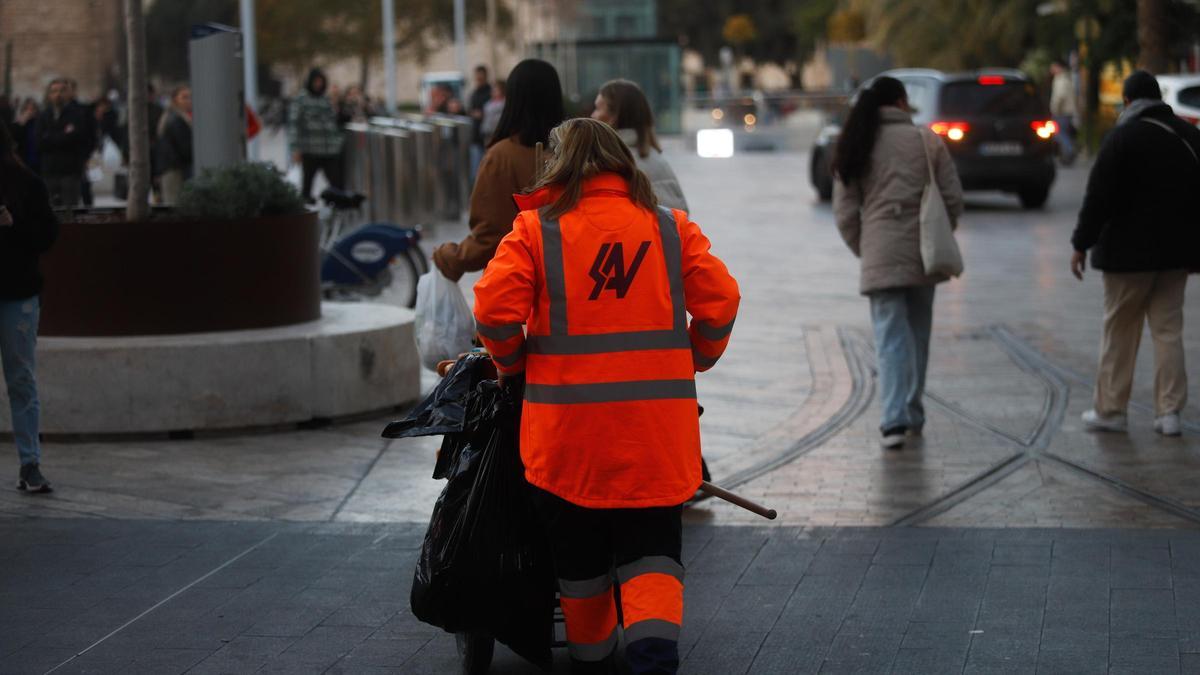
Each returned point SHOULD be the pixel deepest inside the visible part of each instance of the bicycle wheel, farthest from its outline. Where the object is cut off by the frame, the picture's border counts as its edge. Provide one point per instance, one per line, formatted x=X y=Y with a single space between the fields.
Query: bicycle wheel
x=401 y=289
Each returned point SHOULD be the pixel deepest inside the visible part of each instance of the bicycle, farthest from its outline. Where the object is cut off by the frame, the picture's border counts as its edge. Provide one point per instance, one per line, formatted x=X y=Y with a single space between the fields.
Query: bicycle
x=379 y=261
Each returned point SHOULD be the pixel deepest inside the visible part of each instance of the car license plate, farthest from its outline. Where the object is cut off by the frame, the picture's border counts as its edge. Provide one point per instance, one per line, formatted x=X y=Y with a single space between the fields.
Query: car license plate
x=1001 y=149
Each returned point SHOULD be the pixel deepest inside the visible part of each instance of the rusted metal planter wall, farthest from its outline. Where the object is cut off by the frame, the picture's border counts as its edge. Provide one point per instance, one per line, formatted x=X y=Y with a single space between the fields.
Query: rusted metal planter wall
x=170 y=277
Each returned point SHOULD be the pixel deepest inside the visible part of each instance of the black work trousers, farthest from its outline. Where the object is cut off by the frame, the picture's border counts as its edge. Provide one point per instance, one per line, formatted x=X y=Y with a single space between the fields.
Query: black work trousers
x=330 y=165
x=640 y=550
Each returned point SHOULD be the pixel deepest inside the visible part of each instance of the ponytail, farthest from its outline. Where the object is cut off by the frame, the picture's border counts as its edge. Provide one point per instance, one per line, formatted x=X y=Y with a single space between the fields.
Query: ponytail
x=853 y=152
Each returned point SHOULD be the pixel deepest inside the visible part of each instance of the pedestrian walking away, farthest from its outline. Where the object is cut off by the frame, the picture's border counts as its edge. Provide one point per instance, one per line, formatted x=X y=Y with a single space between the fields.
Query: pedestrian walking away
x=534 y=106
x=314 y=136
x=882 y=165
x=1138 y=222
x=27 y=229
x=1063 y=109
x=603 y=279
x=64 y=141
x=622 y=105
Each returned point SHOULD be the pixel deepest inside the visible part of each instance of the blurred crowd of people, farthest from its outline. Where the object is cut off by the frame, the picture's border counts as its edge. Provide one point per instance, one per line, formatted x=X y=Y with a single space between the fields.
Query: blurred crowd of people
x=65 y=140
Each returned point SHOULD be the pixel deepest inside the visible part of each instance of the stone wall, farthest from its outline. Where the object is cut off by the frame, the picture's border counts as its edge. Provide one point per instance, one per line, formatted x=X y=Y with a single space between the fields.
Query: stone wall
x=77 y=39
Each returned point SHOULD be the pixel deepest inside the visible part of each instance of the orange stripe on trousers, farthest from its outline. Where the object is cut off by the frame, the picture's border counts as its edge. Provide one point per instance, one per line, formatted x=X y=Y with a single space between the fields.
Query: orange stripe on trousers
x=590 y=620
x=652 y=596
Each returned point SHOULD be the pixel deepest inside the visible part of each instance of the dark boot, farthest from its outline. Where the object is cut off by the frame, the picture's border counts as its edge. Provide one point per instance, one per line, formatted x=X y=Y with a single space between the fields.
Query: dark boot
x=32 y=480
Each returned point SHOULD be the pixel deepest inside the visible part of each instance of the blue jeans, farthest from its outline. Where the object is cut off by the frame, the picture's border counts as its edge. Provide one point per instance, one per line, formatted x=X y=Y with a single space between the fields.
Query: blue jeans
x=903 y=318
x=18 y=342
x=1063 y=136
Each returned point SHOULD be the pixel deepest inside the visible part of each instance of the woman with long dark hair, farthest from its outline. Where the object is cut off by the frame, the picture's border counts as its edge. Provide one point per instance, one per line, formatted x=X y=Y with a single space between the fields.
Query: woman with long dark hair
x=622 y=105
x=882 y=165
x=27 y=229
x=532 y=107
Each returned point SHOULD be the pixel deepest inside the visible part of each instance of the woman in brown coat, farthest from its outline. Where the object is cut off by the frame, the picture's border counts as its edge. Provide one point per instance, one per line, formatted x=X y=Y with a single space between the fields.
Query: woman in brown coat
x=882 y=171
x=534 y=106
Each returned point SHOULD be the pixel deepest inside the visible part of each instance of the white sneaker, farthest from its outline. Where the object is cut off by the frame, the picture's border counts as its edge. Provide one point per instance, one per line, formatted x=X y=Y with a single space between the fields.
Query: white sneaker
x=893 y=439
x=1094 y=421
x=1168 y=425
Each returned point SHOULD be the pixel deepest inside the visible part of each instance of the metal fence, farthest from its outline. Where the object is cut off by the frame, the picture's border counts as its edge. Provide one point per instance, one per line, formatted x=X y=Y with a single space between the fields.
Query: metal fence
x=413 y=168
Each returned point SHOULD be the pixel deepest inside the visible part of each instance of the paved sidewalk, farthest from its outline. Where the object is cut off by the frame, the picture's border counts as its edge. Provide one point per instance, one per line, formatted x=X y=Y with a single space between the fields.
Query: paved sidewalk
x=151 y=597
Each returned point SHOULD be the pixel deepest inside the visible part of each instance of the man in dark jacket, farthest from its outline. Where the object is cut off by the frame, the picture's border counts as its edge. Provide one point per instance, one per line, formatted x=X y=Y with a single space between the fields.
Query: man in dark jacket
x=27 y=229
x=1139 y=221
x=63 y=143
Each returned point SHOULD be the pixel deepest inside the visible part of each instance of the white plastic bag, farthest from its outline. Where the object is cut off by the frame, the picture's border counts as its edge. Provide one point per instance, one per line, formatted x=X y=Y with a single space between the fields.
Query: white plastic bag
x=293 y=175
x=444 y=325
x=110 y=156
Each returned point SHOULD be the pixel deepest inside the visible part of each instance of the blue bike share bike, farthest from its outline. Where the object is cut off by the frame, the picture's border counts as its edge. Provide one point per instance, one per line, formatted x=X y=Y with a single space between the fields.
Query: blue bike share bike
x=376 y=261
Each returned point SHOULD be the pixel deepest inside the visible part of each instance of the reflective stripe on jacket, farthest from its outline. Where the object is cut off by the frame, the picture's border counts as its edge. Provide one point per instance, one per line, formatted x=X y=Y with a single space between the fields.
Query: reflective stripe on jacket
x=610 y=416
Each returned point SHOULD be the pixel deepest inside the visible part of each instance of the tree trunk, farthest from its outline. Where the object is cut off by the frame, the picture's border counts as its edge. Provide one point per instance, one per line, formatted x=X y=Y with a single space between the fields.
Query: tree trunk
x=138 y=204
x=1152 y=35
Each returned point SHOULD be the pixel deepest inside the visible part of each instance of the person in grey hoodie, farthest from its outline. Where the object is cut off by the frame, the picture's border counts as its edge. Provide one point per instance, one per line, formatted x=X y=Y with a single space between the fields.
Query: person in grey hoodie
x=881 y=172
x=622 y=106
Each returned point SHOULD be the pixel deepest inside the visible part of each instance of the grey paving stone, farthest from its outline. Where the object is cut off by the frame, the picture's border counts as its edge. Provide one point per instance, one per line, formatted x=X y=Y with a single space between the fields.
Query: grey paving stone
x=1006 y=553
x=994 y=653
x=326 y=644
x=748 y=608
x=1142 y=613
x=33 y=660
x=1140 y=567
x=1145 y=655
x=902 y=552
x=791 y=653
x=780 y=562
x=729 y=556
x=391 y=653
x=856 y=651
x=941 y=636
x=286 y=621
x=372 y=615
x=930 y=661
x=731 y=653
x=1189 y=664
x=1071 y=662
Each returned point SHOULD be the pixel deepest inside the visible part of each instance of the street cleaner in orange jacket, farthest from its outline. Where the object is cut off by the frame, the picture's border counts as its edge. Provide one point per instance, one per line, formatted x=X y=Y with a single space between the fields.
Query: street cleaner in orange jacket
x=589 y=298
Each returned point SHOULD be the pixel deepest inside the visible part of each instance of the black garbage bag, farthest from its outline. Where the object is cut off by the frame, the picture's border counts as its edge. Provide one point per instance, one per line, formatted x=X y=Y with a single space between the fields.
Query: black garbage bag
x=444 y=410
x=485 y=563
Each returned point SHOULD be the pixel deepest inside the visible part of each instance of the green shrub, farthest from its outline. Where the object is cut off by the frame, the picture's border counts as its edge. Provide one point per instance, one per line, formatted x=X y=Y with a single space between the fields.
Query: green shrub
x=245 y=190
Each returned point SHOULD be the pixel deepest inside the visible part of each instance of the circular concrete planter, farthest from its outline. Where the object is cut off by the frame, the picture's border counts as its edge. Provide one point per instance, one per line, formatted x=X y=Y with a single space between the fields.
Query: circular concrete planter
x=109 y=277
x=357 y=358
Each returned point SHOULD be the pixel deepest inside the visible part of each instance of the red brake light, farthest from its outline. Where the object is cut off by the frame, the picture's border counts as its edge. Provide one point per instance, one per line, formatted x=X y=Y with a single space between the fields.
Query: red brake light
x=1045 y=128
x=954 y=131
x=991 y=80
x=1191 y=120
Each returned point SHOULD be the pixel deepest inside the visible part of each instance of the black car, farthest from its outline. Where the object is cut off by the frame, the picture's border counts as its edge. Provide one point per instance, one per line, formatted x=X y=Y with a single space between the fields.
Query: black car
x=995 y=123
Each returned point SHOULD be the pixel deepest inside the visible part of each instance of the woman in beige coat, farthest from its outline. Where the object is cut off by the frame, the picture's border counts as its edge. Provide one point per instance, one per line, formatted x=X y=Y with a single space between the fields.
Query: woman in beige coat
x=881 y=171
x=622 y=106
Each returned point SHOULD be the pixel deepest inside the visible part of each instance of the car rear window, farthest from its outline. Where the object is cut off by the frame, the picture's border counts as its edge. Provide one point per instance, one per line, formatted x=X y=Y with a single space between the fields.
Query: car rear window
x=961 y=99
x=1190 y=97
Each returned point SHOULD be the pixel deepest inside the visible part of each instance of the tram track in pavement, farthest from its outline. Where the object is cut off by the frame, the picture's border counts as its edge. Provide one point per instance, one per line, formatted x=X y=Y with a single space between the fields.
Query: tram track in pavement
x=1029 y=447
x=1056 y=382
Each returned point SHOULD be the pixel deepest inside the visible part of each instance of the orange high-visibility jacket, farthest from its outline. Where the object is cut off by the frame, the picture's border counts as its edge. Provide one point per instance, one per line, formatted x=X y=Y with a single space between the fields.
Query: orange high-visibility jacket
x=610 y=417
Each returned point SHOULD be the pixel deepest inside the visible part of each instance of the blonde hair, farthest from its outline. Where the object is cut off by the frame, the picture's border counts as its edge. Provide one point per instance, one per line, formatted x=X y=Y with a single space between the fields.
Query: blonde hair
x=583 y=148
